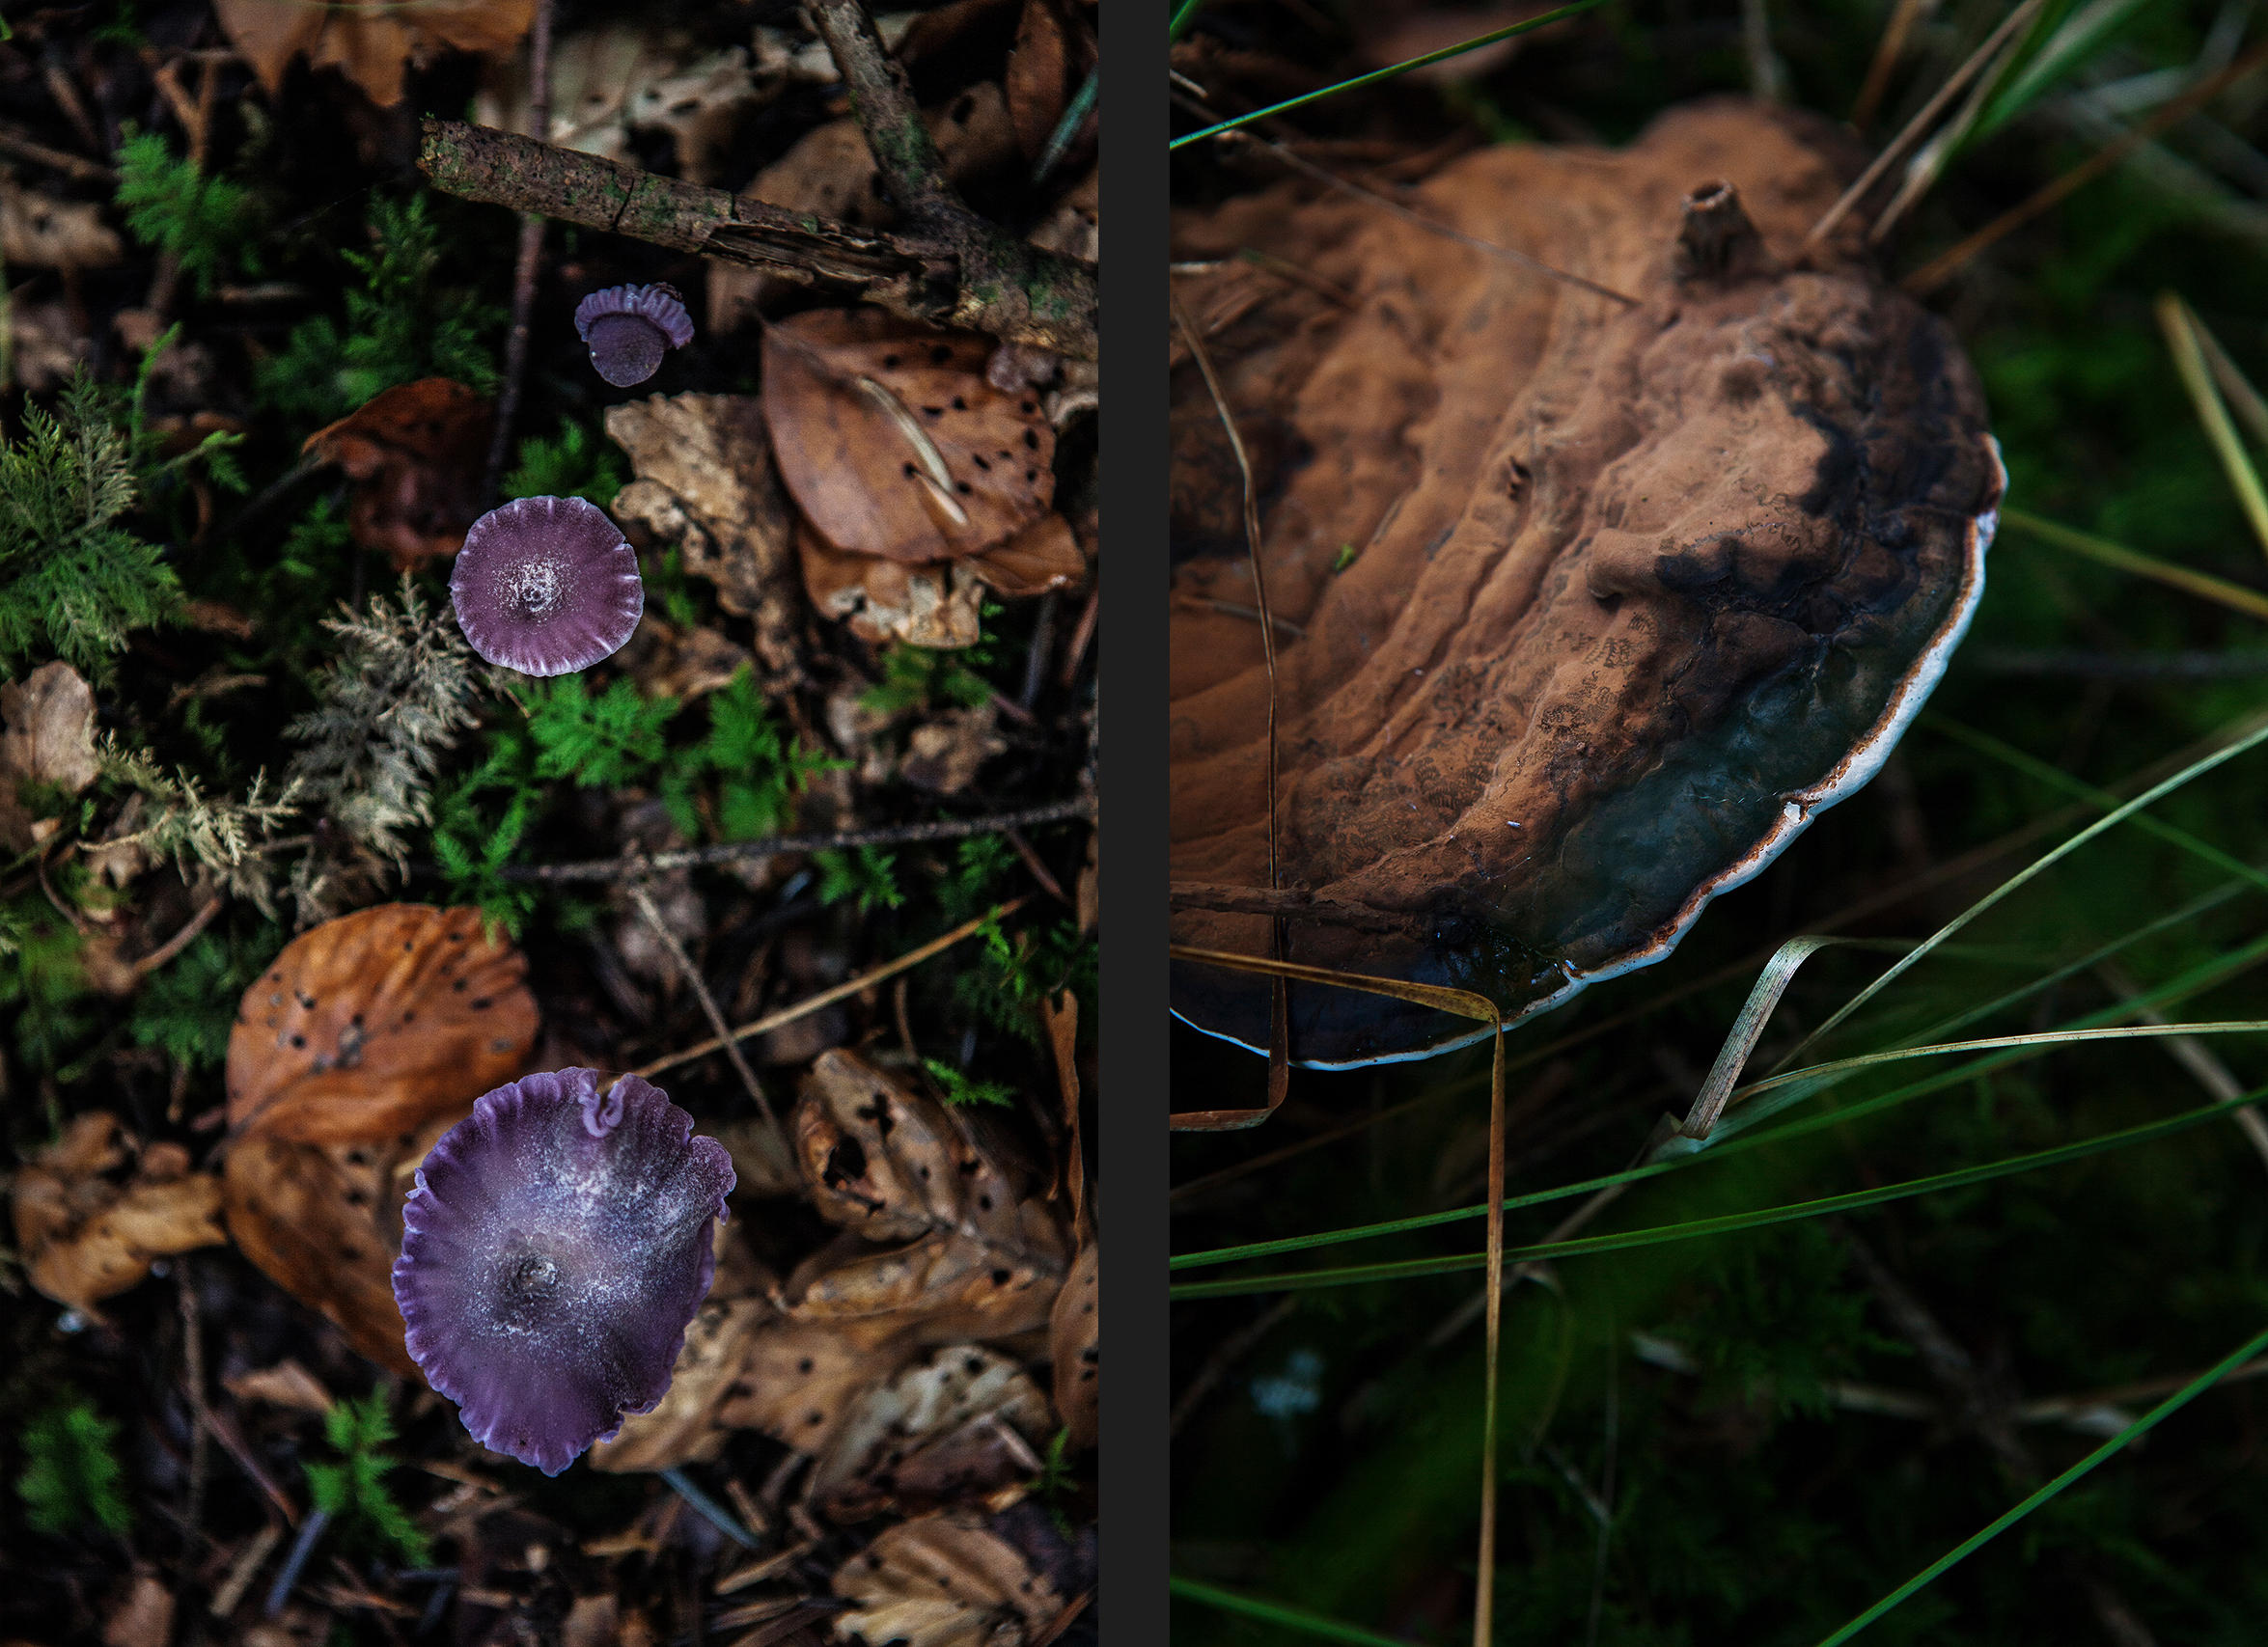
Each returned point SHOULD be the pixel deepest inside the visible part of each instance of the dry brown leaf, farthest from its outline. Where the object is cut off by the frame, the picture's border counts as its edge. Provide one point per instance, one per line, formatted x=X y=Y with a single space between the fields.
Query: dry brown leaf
x=85 y=1233
x=893 y=442
x=371 y=42
x=980 y=1260
x=618 y=79
x=1044 y=68
x=939 y=607
x=50 y=345
x=706 y=484
x=42 y=232
x=143 y=1615
x=415 y=454
x=958 y=1424
x=1042 y=556
x=287 y=1384
x=669 y=662
x=943 y=755
x=47 y=752
x=324 y=1222
x=1074 y=1347
x=369 y=1026
x=943 y=1580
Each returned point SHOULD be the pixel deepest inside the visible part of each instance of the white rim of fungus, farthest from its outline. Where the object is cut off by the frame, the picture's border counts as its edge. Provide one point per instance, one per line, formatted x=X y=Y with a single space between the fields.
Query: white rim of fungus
x=1799 y=808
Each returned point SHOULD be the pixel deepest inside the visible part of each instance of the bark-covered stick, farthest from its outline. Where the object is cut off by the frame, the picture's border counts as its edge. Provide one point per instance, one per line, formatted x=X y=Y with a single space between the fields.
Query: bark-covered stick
x=981 y=279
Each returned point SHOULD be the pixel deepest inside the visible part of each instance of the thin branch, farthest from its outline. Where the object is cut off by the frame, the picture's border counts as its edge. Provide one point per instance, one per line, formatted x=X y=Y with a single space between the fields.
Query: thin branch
x=1286 y=903
x=811 y=1003
x=708 y=1001
x=967 y=273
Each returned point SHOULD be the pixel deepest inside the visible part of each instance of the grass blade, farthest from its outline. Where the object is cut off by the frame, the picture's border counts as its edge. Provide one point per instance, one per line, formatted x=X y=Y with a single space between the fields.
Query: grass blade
x=1969 y=1547
x=2235 y=596
x=2189 y=359
x=1276 y=1612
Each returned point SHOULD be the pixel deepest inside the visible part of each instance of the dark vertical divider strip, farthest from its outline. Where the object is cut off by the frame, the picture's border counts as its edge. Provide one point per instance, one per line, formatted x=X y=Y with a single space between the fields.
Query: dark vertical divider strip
x=1132 y=624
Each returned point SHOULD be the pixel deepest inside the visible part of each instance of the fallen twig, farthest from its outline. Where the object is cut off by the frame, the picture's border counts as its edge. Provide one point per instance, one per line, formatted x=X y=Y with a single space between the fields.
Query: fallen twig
x=708 y=1003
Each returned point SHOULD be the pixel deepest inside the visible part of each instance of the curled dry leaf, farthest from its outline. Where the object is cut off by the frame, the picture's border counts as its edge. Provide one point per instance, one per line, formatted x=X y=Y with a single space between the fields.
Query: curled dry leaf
x=706 y=483
x=87 y=1233
x=939 y=606
x=894 y=443
x=978 y=1259
x=371 y=41
x=47 y=752
x=38 y=231
x=287 y=1384
x=943 y=1580
x=1074 y=1347
x=960 y=1422
x=414 y=453
x=370 y=1025
x=324 y=1222
x=1637 y=590
x=1041 y=558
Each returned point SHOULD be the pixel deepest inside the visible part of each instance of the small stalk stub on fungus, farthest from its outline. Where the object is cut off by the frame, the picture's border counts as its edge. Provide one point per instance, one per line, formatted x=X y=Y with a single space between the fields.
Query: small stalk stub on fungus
x=546 y=586
x=557 y=1244
x=629 y=328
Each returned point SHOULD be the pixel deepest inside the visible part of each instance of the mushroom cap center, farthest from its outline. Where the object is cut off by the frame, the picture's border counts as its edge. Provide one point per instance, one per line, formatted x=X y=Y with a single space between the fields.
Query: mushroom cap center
x=534 y=588
x=627 y=348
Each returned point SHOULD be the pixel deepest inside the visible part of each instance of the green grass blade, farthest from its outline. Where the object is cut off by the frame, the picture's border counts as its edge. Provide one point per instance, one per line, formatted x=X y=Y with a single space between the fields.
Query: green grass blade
x=2235 y=596
x=1727 y=1223
x=2197 y=378
x=1969 y=1547
x=2244 y=735
x=1388 y=73
x=2076 y=39
x=1723 y=1145
x=1276 y=1612
x=1184 y=14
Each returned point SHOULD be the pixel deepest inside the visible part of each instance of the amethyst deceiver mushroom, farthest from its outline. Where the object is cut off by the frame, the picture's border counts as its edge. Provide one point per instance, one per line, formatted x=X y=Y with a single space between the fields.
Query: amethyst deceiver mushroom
x=555 y=1248
x=546 y=586
x=629 y=328
x=1588 y=607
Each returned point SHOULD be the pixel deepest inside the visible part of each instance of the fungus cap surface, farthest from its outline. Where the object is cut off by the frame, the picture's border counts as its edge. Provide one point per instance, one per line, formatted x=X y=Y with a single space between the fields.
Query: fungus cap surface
x=629 y=328
x=546 y=586
x=1635 y=591
x=557 y=1244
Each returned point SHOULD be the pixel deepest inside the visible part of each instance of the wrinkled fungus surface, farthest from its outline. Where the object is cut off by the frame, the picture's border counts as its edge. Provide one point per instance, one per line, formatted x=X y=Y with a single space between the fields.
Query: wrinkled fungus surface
x=546 y=586
x=557 y=1244
x=1594 y=606
x=629 y=328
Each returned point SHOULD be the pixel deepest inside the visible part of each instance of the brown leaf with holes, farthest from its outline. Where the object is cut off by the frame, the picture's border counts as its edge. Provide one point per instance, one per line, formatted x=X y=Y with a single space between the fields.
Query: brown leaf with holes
x=943 y=1581
x=1074 y=1347
x=47 y=752
x=324 y=1222
x=371 y=41
x=894 y=443
x=980 y=1260
x=415 y=454
x=87 y=1231
x=959 y=1423
x=369 y=1026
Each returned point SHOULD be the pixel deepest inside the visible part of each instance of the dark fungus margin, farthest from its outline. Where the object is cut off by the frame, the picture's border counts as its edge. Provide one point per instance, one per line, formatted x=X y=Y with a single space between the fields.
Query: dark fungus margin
x=1636 y=592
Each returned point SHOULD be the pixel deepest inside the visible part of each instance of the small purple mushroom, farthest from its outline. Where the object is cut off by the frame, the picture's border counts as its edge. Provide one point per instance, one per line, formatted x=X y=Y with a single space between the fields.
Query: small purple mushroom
x=546 y=586
x=555 y=1248
x=629 y=328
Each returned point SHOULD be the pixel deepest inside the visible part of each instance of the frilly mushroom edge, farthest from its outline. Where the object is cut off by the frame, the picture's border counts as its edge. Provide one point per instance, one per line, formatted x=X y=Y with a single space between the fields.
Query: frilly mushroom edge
x=1641 y=590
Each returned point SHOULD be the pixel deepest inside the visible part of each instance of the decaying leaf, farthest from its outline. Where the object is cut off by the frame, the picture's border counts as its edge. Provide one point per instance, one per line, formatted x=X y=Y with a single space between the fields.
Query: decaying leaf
x=619 y=78
x=960 y=1422
x=1598 y=604
x=894 y=443
x=1051 y=56
x=370 y=1025
x=47 y=752
x=1074 y=1347
x=371 y=41
x=1041 y=558
x=939 y=606
x=944 y=755
x=87 y=1233
x=685 y=664
x=414 y=453
x=287 y=1384
x=979 y=1259
x=943 y=1580
x=39 y=232
x=324 y=1222
x=705 y=483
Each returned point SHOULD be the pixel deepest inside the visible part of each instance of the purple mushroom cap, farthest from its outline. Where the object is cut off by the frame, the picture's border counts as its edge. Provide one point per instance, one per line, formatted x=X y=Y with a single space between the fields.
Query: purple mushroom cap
x=629 y=327
x=546 y=586
x=555 y=1248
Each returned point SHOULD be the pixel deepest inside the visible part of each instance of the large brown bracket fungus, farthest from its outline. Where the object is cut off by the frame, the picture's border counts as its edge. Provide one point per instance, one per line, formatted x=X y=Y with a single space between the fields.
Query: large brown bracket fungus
x=1585 y=609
